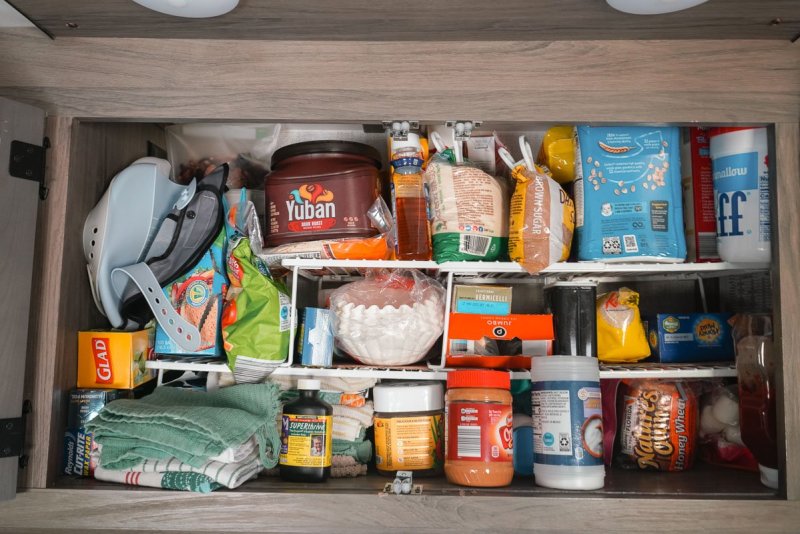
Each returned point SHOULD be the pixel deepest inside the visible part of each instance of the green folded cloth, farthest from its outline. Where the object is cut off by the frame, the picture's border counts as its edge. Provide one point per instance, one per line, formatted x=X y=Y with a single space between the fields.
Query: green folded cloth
x=360 y=451
x=191 y=426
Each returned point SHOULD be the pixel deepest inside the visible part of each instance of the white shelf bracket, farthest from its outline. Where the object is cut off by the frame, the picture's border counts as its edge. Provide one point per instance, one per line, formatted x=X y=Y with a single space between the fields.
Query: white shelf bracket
x=399 y=129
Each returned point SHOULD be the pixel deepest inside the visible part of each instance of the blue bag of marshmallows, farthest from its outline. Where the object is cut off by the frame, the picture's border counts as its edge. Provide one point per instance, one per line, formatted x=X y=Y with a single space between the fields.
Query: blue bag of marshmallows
x=628 y=195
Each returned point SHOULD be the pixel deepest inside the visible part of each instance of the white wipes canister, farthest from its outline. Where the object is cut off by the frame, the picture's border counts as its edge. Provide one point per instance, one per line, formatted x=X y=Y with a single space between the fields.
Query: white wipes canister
x=741 y=193
x=567 y=422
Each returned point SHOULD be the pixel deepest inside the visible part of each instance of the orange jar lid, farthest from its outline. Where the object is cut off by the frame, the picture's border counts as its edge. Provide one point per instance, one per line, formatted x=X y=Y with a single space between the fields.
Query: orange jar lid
x=476 y=378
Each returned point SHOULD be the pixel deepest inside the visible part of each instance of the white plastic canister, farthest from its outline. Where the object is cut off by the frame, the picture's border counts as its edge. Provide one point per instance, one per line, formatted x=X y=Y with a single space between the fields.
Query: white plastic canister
x=741 y=193
x=567 y=423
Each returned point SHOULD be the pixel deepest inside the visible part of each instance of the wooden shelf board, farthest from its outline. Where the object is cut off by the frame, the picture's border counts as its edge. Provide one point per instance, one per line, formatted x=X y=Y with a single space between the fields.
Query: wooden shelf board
x=702 y=482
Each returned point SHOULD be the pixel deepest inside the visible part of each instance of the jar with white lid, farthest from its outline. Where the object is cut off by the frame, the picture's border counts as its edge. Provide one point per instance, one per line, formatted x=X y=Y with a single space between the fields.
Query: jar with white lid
x=740 y=166
x=567 y=422
x=409 y=427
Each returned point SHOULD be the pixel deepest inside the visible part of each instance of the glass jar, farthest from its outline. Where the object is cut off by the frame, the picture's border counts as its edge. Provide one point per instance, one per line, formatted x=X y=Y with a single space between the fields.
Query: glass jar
x=409 y=428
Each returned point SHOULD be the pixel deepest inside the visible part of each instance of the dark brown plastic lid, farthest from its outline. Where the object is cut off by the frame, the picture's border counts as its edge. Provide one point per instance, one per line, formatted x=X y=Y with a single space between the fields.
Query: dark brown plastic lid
x=327 y=147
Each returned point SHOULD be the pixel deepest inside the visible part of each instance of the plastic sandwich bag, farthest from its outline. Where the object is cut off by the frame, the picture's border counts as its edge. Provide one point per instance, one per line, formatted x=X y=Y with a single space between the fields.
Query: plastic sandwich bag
x=197 y=148
x=720 y=432
x=389 y=317
x=620 y=332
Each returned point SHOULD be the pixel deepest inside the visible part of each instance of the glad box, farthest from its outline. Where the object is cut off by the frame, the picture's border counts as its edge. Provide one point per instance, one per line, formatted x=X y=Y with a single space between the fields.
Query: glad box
x=114 y=360
x=498 y=341
x=691 y=337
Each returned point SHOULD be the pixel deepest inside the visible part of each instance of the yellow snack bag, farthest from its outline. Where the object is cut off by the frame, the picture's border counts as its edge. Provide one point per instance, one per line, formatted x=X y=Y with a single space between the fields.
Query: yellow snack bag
x=557 y=153
x=620 y=333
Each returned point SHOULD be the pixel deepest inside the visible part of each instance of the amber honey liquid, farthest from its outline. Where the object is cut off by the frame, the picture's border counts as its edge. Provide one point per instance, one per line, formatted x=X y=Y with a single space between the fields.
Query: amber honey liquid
x=411 y=217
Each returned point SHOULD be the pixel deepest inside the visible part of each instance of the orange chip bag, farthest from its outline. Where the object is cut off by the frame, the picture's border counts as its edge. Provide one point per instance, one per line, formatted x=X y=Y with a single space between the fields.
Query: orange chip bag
x=657 y=425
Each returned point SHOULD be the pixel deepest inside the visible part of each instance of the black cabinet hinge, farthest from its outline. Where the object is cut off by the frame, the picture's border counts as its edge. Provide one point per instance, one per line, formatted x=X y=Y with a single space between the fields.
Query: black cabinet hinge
x=27 y=161
x=12 y=436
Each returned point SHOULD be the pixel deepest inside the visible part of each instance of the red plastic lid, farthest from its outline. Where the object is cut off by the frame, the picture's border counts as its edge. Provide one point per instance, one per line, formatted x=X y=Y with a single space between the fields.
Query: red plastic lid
x=475 y=378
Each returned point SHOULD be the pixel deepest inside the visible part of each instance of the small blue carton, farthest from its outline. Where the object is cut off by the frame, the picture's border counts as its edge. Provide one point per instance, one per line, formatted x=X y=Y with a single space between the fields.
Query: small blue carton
x=690 y=338
x=197 y=296
x=315 y=338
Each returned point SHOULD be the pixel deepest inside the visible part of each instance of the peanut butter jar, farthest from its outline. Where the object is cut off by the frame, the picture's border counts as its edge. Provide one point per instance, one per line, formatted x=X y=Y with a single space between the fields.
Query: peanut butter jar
x=479 y=429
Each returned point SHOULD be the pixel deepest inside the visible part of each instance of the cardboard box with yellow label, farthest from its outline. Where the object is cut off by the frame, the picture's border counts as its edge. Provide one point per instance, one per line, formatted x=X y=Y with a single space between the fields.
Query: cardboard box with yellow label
x=114 y=360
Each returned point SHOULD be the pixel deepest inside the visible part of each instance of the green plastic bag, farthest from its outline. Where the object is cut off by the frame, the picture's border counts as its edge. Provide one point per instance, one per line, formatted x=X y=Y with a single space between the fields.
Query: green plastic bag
x=255 y=317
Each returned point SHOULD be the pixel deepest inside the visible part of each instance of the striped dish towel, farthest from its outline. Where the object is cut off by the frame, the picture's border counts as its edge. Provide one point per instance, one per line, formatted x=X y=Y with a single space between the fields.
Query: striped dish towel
x=174 y=474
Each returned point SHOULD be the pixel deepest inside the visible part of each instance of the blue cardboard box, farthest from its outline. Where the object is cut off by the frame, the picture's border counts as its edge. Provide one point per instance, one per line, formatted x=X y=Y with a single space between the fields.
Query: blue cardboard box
x=315 y=337
x=690 y=338
x=197 y=296
x=84 y=404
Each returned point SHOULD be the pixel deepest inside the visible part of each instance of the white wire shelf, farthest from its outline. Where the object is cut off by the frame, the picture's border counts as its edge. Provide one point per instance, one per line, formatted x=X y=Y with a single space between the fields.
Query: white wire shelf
x=668 y=370
x=633 y=370
x=318 y=267
x=511 y=270
x=598 y=270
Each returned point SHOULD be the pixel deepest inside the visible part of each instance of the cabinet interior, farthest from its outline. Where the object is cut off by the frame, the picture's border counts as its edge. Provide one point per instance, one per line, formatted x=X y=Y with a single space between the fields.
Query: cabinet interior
x=101 y=149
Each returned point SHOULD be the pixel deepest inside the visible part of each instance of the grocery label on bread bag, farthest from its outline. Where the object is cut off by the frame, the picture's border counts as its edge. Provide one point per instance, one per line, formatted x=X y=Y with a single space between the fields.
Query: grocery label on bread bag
x=408 y=442
x=479 y=432
x=567 y=423
x=306 y=440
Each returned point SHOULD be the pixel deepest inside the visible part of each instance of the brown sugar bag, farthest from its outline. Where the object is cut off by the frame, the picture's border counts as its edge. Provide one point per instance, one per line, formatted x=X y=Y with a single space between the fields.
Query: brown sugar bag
x=542 y=220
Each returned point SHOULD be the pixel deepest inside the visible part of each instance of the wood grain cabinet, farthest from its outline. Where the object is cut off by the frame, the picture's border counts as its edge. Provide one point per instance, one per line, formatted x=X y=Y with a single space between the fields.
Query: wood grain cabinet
x=107 y=97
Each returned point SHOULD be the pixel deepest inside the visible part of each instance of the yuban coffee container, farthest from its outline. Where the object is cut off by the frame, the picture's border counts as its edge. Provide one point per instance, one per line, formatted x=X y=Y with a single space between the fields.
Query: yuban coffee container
x=321 y=190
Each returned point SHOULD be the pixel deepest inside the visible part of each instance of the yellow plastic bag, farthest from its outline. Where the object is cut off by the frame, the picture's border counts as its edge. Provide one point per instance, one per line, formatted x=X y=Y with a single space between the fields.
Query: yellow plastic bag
x=557 y=153
x=542 y=220
x=620 y=333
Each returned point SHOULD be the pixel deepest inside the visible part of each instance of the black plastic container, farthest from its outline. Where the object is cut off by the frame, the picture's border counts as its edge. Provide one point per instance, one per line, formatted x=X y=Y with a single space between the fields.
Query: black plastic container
x=573 y=305
x=306 y=436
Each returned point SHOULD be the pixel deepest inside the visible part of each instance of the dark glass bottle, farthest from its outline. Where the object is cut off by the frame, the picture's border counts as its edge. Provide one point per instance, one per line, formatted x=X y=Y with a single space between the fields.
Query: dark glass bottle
x=306 y=436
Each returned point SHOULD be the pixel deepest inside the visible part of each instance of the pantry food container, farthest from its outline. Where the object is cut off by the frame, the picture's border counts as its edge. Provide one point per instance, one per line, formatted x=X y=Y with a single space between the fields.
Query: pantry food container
x=321 y=190
x=479 y=429
x=409 y=428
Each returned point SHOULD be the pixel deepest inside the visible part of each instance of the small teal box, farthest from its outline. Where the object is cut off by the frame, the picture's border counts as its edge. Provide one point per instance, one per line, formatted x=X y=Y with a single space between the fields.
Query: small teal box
x=690 y=338
x=482 y=300
x=315 y=338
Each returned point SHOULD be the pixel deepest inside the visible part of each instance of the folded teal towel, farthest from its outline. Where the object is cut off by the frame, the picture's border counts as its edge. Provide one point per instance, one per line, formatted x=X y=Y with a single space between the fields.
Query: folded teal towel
x=191 y=426
x=360 y=451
